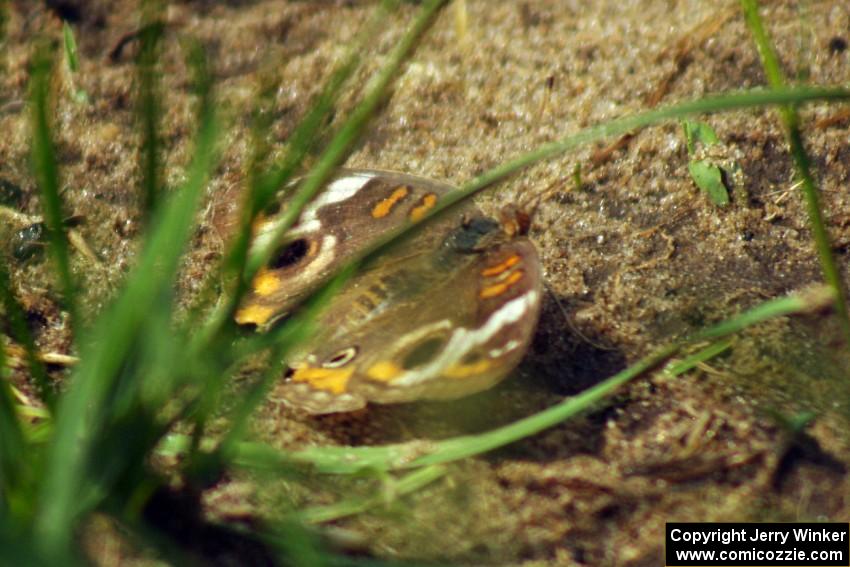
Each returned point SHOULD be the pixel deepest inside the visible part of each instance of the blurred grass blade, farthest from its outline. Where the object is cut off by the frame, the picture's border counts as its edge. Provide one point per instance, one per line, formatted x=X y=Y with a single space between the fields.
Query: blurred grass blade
x=296 y=330
x=297 y=546
x=164 y=358
x=72 y=61
x=265 y=185
x=4 y=25
x=352 y=459
x=47 y=178
x=145 y=400
x=336 y=152
x=332 y=156
x=802 y=163
x=16 y=550
x=148 y=105
x=4 y=20
x=21 y=333
x=342 y=143
x=70 y=44
x=817 y=297
x=13 y=446
x=304 y=138
x=82 y=414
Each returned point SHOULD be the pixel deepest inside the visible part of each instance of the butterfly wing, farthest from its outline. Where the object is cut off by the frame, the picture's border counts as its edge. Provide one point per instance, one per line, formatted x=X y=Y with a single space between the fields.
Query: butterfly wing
x=355 y=207
x=438 y=325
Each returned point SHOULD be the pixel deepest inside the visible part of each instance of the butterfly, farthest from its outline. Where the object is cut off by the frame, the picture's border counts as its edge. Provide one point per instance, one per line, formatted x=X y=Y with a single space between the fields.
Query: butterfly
x=444 y=313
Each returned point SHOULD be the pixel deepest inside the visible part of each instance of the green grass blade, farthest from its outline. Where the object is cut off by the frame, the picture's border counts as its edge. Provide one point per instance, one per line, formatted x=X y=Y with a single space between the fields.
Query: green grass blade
x=706 y=105
x=802 y=163
x=148 y=106
x=70 y=45
x=710 y=104
x=18 y=550
x=157 y=368
x=81 y=414
x=47 y=178
x=809 y=300
x=21 y=333
x=350 y=460
x=409 y=483
x=264 y=186
x=335 y=153
x=342 y=143
x=293 y=333
x=72 y=61
x=13 y=447
x=353 y=459
x=4 y=23
x=303 y=138
x=693 y=360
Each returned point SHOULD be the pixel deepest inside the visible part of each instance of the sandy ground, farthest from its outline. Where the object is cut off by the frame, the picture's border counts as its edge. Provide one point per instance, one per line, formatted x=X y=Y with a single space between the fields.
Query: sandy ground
x=635 y=255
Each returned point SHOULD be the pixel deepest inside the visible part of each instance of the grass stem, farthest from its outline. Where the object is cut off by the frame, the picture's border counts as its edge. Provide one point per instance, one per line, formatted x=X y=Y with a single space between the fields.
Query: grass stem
x=802 y=163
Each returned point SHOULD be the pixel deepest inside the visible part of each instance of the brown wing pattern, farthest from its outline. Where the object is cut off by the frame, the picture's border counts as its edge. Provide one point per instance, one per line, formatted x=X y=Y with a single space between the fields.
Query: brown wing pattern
x=356 y=207
x=445 y=313
x=434 y=325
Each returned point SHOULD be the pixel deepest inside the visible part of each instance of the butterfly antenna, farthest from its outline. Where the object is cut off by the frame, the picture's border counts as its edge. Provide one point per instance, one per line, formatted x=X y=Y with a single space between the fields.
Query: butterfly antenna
x=569 y=321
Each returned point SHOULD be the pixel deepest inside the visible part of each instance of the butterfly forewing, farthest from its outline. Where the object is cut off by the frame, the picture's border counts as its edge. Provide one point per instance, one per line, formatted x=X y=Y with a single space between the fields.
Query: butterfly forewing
x=350 y=213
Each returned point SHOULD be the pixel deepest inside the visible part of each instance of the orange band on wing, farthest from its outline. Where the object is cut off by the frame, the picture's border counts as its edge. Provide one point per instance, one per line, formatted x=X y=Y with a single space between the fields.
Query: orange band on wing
x=500 y=288
x=427 y=203
x=384 y=371
x=499 y=268
x=384 y=207
x=333 y=380
x=467 y=370
x=266 y=283
x=256 y=314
